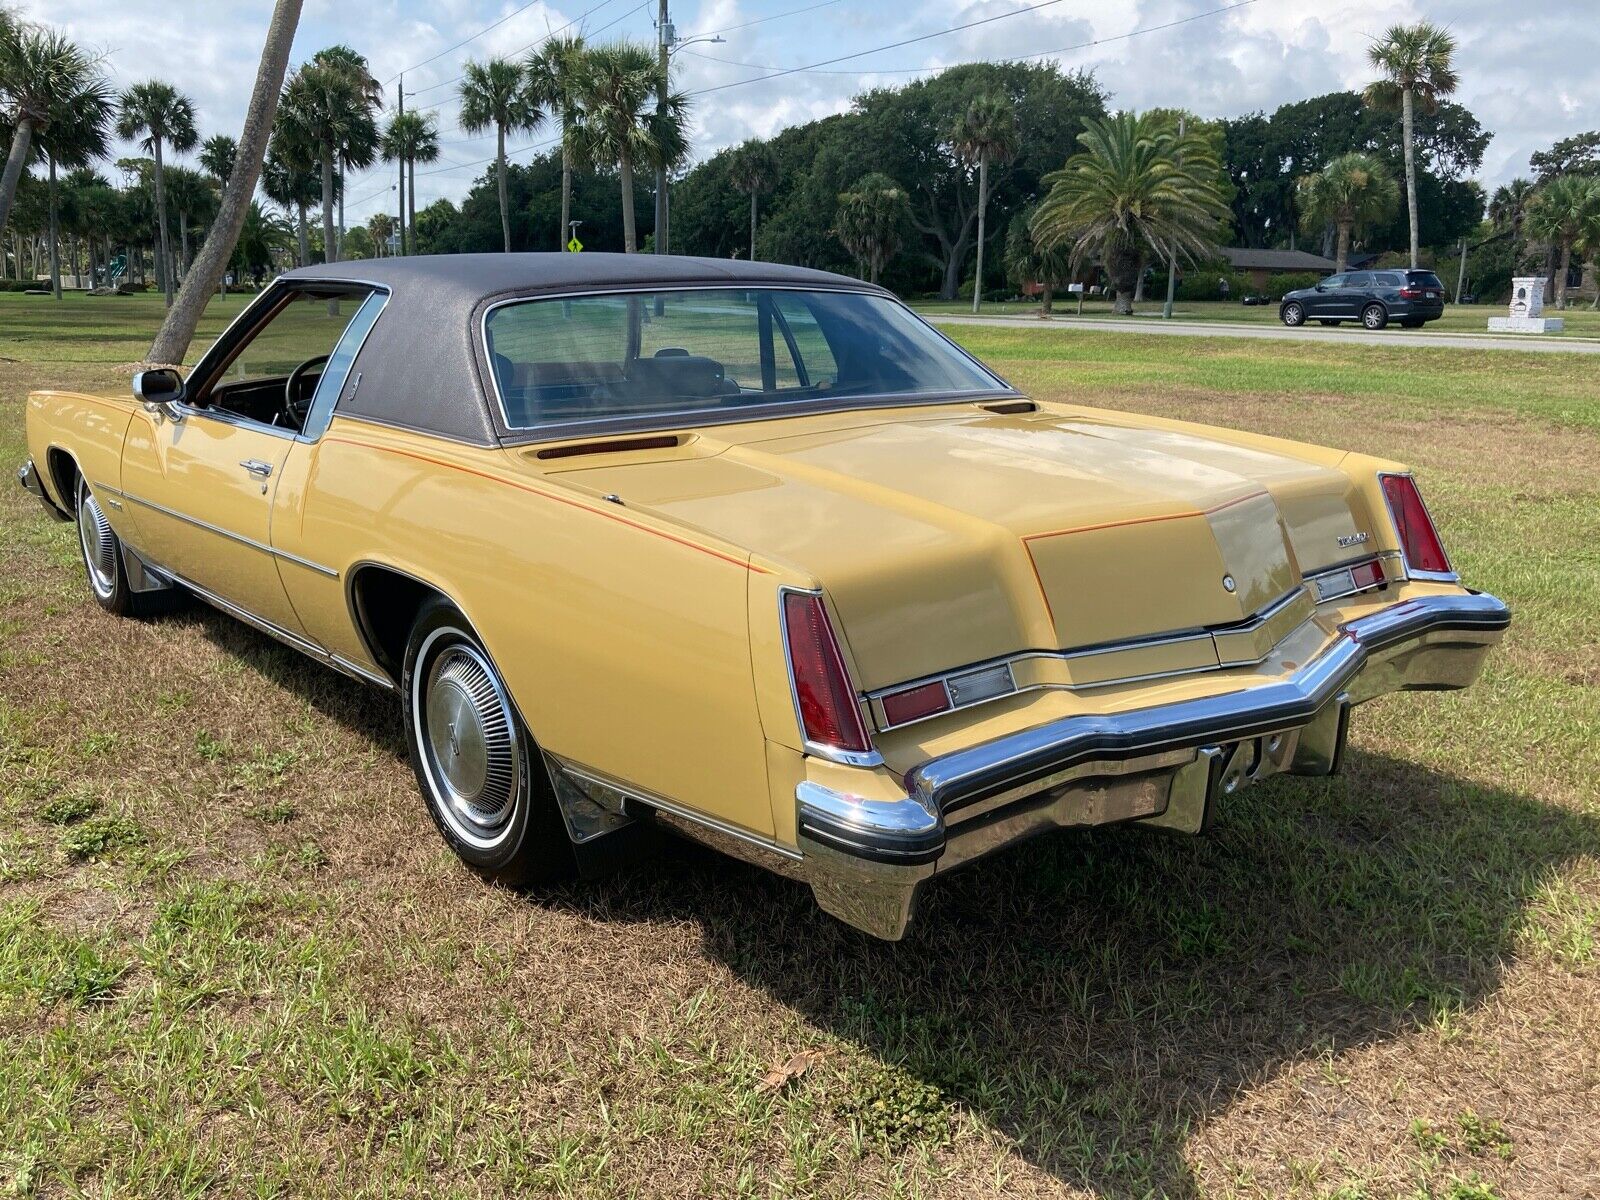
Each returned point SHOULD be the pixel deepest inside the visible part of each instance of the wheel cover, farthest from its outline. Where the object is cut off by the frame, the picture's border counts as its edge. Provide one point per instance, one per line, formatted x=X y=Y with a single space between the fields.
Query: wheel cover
x=1373 y=317
x=1293 y=314
x=99 y=545
x=468 y=740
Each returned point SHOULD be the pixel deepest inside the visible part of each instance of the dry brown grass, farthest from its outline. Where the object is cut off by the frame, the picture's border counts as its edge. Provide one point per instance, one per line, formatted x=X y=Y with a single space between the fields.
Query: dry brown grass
x=281 y=984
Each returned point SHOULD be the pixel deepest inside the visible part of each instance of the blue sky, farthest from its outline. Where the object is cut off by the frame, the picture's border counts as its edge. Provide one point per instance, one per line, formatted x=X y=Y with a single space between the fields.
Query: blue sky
x=1530 y=72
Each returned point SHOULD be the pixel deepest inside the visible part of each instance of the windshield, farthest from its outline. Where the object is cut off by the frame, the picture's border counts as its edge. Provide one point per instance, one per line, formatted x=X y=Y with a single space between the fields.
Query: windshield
x=714 y=350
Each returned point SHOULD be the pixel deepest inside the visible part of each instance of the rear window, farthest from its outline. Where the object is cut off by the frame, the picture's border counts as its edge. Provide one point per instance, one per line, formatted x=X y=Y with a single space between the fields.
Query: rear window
x=1425 y=279
x=713 y=350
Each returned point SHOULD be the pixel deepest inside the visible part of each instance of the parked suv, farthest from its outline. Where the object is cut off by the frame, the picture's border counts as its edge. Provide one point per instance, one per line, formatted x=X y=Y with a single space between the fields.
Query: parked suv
x=1374 y=298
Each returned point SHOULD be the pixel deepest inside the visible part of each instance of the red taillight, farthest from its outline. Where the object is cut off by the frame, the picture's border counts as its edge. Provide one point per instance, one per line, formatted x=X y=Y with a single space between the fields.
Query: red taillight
x=1418 y=538
x=829 y=715
x=1411 y=293
x=914 y=703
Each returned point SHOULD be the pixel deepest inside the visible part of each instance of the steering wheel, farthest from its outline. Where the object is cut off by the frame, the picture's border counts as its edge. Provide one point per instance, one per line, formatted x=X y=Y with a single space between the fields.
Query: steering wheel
x=295 y=408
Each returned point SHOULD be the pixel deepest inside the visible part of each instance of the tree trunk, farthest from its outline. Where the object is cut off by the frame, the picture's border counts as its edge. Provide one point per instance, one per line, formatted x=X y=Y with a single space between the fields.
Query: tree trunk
x=402 y=230
x=330 y=252
x=55 y=234
x=15 y=161
x=1342 y=256
x=161 y=220
x=183 y=245
x=983 y=203
x=1047 y=299
x=1138 y=281
x=1562 y=272
x=753 y=202
x=304 y=232
x=1123 y=267
x=339 y=244
x=500 y=173
x=566 y=185
x=630 y=243
x=1408 y=131
x=177 y=331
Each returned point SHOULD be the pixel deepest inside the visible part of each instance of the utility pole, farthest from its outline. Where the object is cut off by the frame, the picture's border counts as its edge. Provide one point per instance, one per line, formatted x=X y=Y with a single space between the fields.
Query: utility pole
x=400 y=101
x=663 y=51
x=1461 y=275
x=1172 y=261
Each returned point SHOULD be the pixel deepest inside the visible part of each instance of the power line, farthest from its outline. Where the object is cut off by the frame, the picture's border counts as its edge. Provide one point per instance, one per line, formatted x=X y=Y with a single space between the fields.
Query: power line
x=1121 y=37
x=463 y=41
x=793 y=12
x=828 y=62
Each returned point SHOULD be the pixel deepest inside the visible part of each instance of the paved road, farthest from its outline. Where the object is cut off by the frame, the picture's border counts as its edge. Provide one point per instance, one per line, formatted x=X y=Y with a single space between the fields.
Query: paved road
x=1388 y=337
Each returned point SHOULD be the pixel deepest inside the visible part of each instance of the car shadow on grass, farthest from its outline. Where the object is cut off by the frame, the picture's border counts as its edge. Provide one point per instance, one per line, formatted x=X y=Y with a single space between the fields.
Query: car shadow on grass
x=1097 y=996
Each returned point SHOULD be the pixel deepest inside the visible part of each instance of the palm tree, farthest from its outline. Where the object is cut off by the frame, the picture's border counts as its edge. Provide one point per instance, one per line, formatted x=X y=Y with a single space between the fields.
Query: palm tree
x=1417 y=69
x=987 y=132
x=753 y=169
x=361 y=144
x=1137 y=187
x=1352 y=192
x=1508 y=210
x=871 y=220
x=217 y=156
x=325 y=107
x=620 y=125
x=291 y=185
x=236 y=207
x=1027 y=264
x=40 y=70
x=555 y=77
x=411 y=138
x=165 y=117
x=496 y=93
x=189 y=193
x=1566 y=212
x=381 y=227
x=72 y=136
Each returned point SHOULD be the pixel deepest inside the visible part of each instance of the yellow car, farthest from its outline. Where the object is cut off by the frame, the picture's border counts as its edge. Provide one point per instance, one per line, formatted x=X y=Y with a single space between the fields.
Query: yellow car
x=755 y=553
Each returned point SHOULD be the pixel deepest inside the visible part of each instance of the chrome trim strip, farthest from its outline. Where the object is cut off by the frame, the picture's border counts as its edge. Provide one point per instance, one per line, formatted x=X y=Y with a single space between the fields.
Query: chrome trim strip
x=850 y=758
x=689 y=419
x=283 y=555
x=652 y=800
x=293 y=640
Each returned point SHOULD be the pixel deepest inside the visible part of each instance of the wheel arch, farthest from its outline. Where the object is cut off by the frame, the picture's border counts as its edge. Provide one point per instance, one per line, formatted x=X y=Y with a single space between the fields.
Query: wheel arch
x=384 y=601
x=62 y=472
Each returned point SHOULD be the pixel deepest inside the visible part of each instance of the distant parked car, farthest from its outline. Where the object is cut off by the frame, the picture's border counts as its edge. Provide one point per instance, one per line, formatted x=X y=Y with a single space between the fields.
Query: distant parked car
x=1374 y=298
x=1255 y=301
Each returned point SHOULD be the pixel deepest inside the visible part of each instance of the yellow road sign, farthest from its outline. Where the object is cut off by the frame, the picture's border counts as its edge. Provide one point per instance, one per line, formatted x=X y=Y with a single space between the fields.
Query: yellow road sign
x=574 y=245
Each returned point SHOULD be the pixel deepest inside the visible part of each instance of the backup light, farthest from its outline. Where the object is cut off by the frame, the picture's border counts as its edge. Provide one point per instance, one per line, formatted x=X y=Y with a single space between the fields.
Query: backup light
x=1419 y=540
x=829 y=715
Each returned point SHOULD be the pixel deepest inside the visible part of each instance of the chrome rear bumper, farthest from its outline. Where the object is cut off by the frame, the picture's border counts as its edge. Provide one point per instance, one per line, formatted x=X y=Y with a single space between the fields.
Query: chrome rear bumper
x=867 y=860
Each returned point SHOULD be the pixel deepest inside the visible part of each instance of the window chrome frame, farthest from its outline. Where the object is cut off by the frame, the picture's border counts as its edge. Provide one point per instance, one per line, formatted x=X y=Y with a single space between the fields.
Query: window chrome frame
x=554 y=431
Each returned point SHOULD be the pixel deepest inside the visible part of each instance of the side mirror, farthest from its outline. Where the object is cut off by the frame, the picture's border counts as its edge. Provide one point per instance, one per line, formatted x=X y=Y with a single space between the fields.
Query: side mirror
x=159 y=391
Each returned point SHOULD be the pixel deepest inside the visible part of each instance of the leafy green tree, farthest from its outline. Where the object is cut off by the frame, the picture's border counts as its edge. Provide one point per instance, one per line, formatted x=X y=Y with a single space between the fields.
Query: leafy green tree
x=1137 y=188
x=1575 y=155
x=1566 y=212
x=1508 y=212
x=620 y=126
x=1418 y=69
x=218 y=154
x=291 y=185
x=555 y=84
x=1351 y=193
x=360 y=146
x=164 y=118
x=1026 y=263
x=754 y=172
x=985 y=133
x=871 y=221
x=495 y=93
x=260 y=235
x=41 y=70
x=191 y=197
x=380 y=227
x=73 y=136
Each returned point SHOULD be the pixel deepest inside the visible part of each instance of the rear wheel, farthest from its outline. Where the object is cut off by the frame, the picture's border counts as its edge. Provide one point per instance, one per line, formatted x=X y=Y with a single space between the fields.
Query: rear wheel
x=481 y=775
x=1292 y=314
x=1374 y=317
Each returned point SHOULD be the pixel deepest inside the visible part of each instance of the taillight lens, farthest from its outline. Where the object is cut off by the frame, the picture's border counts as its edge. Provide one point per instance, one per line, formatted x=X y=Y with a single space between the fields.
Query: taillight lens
x=829 y=715
x=1418 y=538
x=1411 y=293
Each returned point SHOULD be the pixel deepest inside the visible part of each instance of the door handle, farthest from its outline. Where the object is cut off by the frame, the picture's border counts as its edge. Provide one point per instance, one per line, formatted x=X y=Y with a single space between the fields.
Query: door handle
x=256 y=467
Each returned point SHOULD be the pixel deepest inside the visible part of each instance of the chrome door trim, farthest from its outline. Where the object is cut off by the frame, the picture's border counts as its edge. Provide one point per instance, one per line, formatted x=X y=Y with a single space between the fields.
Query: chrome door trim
x=281 y=555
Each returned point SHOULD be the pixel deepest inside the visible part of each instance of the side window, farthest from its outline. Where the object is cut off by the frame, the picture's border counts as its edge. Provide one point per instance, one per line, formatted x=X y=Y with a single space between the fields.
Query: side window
x=1359 y=281
x=1334 y=282
x=331 y=383
x=807 y=345
x=1390 y=280
x=274 y=375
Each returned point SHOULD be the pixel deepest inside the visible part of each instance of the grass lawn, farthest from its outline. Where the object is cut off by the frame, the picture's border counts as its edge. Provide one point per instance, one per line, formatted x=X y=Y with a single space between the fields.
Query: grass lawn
x=236 y=959
x=1581 y=321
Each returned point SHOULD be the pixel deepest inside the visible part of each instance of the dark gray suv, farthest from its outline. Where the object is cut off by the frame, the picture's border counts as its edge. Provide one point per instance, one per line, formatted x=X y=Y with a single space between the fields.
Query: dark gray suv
x=1374 y=298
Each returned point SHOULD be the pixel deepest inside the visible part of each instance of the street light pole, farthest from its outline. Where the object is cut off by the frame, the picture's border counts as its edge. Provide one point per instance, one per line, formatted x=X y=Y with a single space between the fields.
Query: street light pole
x=663 y=50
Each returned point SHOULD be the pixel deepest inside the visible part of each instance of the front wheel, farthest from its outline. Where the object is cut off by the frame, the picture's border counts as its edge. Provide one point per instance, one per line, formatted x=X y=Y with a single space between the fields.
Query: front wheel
x=481 y=775
x=1293 y=314
x=1373 y=316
